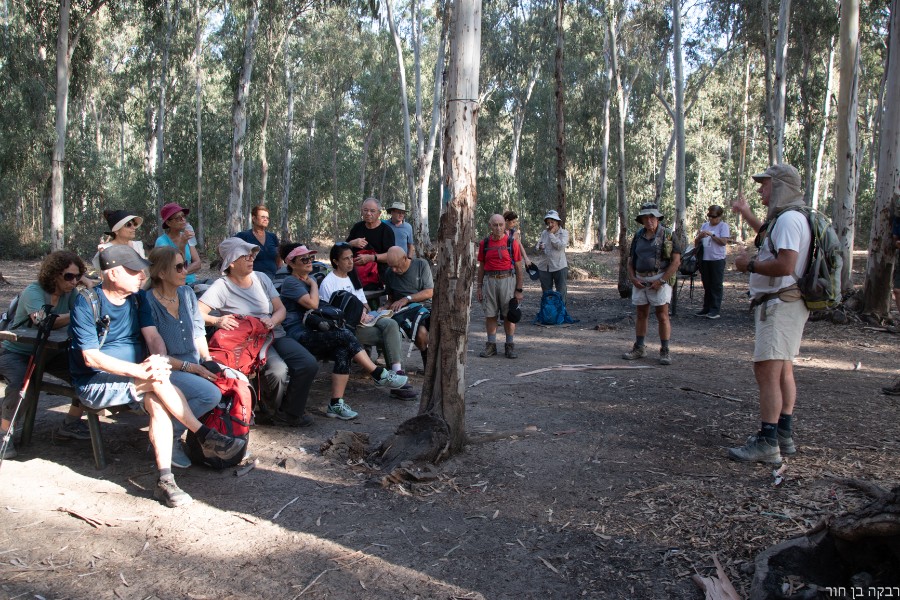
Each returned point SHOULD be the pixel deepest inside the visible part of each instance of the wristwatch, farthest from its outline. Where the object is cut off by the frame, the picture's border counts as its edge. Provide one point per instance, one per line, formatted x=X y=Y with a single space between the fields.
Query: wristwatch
x=751 y=266
x=519 y=290
x=409 y=298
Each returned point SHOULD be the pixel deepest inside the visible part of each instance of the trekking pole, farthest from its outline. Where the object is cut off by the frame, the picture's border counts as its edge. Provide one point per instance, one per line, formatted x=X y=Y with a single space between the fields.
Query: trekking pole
x=45 y=320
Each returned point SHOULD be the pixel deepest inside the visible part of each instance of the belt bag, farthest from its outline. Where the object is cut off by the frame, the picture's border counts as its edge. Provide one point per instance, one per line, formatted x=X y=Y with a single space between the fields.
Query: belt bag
x=788 y=294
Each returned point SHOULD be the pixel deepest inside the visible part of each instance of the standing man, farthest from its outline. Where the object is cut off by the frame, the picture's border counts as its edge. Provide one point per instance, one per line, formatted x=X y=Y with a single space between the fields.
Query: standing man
x=403 y=233
x=267 y=260
x=371 y=239
x=652 y=266
x=779 y=312
x=110 y=367
x=500 y=261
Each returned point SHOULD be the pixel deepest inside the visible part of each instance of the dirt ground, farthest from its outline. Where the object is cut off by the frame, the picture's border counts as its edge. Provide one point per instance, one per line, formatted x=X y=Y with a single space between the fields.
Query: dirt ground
x=613 y=484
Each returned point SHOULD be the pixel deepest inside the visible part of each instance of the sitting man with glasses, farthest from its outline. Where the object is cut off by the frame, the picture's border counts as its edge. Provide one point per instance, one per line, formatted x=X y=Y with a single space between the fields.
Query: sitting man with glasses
x=370 y=240
x=713 y=236
x=410 y=287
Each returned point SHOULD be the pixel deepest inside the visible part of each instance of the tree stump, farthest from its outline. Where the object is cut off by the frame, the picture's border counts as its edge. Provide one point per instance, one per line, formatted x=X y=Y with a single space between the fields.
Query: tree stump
x=422 y=438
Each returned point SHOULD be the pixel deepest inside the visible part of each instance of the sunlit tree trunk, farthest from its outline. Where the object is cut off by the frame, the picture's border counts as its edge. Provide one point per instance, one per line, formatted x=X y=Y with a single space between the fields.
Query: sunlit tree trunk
x=680 y=194
x=200 y=230
x=63 y=59
x=443 y=392
x=560 y=114
x=624 y=284
x=769 y=99
x=171 y=22
x=826 y=113
x=604 y=151
x=778 y=96
x=846 y=175
x=288 y=144
x=235 y=200
x=404 y=102
x=876 y=295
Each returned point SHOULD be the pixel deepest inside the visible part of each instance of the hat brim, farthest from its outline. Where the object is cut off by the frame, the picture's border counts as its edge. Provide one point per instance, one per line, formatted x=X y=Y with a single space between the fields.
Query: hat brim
x=121 y=223
x=760 y=176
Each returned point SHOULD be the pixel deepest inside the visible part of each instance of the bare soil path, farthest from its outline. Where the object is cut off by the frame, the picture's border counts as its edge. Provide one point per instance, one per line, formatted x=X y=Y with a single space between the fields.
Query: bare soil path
x=615 y=486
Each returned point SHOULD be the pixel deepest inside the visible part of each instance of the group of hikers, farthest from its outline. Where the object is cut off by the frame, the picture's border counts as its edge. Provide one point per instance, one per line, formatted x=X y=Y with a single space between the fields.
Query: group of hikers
x=152 y=353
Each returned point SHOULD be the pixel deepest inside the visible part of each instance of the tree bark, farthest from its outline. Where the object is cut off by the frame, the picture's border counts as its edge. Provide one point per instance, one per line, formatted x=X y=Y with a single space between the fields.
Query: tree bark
x=443 y=392
x=235 y=215
x=560 y=114
x=404 y=102
x=170 y=24
x=680 y=193
x=846 y=176
x=288 y=144
x=63 y=58
x=604 y=151
x=624 y=285
x=770 y=117
x=876 y=294
x=200 y=230
x=778 y=100
x=826 y=112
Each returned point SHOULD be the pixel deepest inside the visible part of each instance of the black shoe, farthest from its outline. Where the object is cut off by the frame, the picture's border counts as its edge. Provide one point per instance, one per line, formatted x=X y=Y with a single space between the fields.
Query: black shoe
x=168 y=492
x=222 y=446
x=405 y=393
x=702 y=313
x=288 y=420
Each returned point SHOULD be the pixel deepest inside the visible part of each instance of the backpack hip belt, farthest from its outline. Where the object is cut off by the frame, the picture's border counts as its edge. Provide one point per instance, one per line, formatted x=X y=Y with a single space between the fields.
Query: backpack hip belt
x=499 y=274
x=788 y=294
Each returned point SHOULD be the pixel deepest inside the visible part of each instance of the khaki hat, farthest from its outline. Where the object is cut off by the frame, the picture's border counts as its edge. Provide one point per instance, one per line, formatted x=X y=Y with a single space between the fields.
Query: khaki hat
x=397 y=206
x=648 y=209
x=782 y=172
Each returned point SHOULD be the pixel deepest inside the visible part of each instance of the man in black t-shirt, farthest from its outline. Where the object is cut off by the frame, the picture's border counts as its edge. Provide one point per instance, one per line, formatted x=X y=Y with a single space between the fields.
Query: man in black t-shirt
x=373 y=235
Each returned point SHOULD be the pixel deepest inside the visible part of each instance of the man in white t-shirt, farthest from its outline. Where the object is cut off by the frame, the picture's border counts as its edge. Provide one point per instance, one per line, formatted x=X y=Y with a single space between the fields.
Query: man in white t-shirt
x=779 y=312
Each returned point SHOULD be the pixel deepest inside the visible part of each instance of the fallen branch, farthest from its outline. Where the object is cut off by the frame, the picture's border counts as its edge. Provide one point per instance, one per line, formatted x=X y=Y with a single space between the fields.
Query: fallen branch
x=585 y=368
x=716 y=588
x=713 y=394
x=284 y=507
x=89 y=520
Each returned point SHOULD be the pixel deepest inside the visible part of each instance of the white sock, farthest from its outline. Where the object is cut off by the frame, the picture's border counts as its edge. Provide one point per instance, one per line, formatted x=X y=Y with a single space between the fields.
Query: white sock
x=396 y=367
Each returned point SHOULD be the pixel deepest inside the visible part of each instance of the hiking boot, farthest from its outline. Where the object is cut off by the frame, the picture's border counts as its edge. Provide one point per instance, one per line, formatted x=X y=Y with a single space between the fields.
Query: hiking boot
x=701 y=313
x=283 y=418
x=10 y=447
x=786 y=442
x=222 y=446
x=390 y=379
x=490 y=349
x=180 y=458
x=894 y=390
x=713 y=315
x=510 y=350
x=168 y=492
x=405 y=393
x=341 y=410
x=664 y=358
x=636 y=353
x=757 y=449
x=75 y=430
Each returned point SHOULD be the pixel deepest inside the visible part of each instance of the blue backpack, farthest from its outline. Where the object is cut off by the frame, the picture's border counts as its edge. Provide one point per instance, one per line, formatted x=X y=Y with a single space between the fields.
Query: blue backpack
x=553 y=310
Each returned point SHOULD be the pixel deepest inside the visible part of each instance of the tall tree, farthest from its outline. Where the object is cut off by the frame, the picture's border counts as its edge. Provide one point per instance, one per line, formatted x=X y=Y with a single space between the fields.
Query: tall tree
x=876 y=294
x=559 y=94
x=612 y=25
x=404 y=103
x=198 y=99
x=846 y=176
x=680 y=197
x=780 y=91
x=169 y=25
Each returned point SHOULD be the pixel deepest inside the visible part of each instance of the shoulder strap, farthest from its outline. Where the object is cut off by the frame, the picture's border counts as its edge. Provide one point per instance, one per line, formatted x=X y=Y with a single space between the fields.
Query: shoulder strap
x=509 y=248
x=102 y=323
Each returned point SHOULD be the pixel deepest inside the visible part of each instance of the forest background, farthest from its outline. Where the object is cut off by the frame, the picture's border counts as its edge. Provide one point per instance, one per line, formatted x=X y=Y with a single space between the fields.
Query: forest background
x=297 y=105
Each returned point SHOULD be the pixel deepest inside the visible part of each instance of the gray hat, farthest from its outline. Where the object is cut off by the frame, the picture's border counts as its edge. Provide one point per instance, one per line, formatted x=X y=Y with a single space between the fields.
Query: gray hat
x=782 y=172
x=120 y=255
x=649 y=208
x=397 y=206
x=233 y=248
x=552 y=214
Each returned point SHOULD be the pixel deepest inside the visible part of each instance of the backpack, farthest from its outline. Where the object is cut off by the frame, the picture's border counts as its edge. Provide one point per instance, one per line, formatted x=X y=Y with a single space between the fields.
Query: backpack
x=244 y=348
x=324 y=318
x=350 y=305
x=90 y=294
x=690 y=261
x=368 y=273
x=7 y=319
x=509 y=248
x=663 y=250
x=553 y=310
x=230 y=417
x=820 y=284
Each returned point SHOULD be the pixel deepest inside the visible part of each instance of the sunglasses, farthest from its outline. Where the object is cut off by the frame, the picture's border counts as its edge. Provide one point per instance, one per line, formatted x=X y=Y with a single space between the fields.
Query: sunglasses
x=178 y=217
x=180 y=267
x=131 y=223
x=304 y=259
x=71 y=276
x=713 y=216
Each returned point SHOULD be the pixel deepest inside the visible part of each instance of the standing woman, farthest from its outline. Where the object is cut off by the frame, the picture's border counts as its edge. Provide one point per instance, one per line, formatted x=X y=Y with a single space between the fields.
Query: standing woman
x=267 y=259
x=713 y=236
x=551 y=258
x=55 y=285
x=179 y=235
x=172 y=326
x=290 y=368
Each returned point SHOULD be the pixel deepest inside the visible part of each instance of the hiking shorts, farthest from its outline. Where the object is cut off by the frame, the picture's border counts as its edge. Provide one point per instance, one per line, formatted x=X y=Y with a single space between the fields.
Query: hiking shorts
x=105 y=389
x=659 y=297
x=779 y=336
x=496 y=294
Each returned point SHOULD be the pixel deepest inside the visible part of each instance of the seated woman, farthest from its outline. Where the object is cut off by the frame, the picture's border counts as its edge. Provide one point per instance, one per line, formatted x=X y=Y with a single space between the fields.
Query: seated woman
x=178 y=233
x=290 y=368
x=300 y=294
x=172 y=326
x=55 y=285
x=384 y=333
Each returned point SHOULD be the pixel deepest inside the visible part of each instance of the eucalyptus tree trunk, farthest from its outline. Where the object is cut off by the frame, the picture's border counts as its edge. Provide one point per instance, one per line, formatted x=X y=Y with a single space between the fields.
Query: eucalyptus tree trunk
x=680 y=195
x=770 y=116
x=264 y=137
x=560 y=114
x=876 y=295
x=234 y=219
x=519 y=119
x=778 y=99
x=443 y=392
x=171 y=22
x=826 y=112
x=624 y=284
x=604 y=151
x=742 y=166
x=288 y=145
x=401 y=72
x=200 y=230
x=589 y=217
x=846 y=173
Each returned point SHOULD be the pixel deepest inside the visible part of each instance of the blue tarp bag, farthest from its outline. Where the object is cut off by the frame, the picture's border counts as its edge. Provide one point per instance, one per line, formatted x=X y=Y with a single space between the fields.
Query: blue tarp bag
x=553 y=310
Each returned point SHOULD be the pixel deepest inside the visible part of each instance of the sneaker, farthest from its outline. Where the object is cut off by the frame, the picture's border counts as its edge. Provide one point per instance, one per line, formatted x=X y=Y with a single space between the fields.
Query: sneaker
x=490 y=349
x=509 y=350
x=786 y=442
x=664 y=358
x=757 y=449
x=10 y=447
x=701 y=313
x=405 y=393
x=391 y=379
x=168 y=492
x=75 y=430
x=180 y=459
x=283 y=418
x=341 y=410
x=713 y=315
x=636 y=353
x=222 y=446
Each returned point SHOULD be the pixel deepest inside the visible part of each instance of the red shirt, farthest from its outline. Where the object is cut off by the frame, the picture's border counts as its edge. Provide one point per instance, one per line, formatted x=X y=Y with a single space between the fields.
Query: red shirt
x=494 y=254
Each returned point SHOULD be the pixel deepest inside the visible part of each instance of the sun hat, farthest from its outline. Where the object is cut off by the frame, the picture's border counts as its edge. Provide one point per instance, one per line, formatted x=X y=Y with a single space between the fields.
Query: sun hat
x=397 y=206
x=552 y=214
x=119 y=255
x=513 y=312
x=116 y=220
x=533 y=272
x=233 y=248
x=298 y=251
x=171 y=209
x=649 y=208
x=782 y=172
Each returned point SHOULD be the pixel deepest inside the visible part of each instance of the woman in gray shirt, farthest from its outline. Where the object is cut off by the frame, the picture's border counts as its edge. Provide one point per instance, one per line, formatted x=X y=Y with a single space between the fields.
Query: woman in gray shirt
x=553 y=268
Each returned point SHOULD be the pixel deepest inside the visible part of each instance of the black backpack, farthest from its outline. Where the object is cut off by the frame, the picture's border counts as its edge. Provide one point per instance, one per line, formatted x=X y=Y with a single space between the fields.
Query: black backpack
x=7 y=319
x=350 y=305
x=690 y=261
